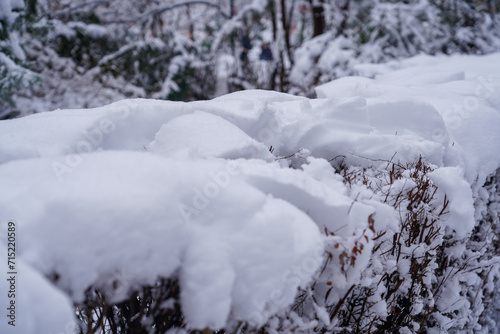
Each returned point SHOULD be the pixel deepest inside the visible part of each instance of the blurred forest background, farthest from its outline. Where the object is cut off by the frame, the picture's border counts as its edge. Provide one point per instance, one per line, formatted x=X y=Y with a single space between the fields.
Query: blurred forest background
x=87 y=53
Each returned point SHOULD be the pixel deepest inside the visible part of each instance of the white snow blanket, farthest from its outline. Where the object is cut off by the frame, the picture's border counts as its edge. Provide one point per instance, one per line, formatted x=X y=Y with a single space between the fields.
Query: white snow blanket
x=204 y=192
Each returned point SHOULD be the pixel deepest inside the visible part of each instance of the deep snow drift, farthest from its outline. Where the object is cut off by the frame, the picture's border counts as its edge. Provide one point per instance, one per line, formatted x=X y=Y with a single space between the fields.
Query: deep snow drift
x=142 y=189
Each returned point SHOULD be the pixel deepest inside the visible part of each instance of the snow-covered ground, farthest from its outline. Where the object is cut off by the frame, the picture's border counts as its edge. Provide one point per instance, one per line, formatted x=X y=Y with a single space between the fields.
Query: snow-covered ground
x=203 y=192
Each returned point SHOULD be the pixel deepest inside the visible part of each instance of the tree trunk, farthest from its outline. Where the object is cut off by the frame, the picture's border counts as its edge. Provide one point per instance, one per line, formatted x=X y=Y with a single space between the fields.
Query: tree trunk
x=231 y=8
x=272 y=11
x=286 y=29
x=31 y=8
x=318 y=13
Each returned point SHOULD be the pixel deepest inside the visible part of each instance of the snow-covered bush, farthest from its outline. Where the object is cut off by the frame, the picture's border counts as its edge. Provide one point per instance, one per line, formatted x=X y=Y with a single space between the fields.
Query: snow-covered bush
x=485 y=245
x=374 y=281
x=369 y=209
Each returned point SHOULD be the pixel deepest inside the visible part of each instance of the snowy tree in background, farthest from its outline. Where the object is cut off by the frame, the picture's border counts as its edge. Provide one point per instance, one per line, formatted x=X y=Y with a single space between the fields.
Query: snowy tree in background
x=91 y=53
x=87 y=53
x=14 y=20
x=377 y=31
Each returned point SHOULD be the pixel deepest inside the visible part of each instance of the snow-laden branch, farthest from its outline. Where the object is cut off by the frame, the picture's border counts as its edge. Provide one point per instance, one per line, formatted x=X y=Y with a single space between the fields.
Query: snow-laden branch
x=142 y=17
x=69 y=10
x=12 y=67
x=165 y=8
x=124 y=49
x=229 y=26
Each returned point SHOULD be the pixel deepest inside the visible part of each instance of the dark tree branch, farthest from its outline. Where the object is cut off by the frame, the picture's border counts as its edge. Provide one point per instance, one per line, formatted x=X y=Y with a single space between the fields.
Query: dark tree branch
x=318 y=17
x=144 y=17
x=286 y=28
x=163 y=9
